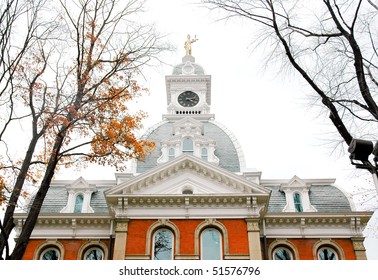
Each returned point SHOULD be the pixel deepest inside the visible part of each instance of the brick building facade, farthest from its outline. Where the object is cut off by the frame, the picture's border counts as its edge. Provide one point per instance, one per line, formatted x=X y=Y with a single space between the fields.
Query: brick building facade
x=193 y=198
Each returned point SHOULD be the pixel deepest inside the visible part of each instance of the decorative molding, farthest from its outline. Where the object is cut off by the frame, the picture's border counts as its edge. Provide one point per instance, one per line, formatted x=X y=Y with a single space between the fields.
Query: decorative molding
x=79 y=187
x=49 y=243
x=328 y=243
x=163 y=223
x=285 y=243
x=90 y=244
x=208 y=223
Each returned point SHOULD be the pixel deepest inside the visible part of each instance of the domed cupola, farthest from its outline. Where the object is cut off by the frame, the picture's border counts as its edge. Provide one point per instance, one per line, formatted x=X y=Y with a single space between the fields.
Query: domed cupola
x=188 y=67
x=189 y=127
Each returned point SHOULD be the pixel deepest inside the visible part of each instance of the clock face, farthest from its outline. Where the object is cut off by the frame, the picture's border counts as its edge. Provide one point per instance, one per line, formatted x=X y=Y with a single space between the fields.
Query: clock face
x=188 y=99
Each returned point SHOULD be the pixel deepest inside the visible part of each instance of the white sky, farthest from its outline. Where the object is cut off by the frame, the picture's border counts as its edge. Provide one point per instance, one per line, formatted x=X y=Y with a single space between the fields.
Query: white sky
x=280 y=133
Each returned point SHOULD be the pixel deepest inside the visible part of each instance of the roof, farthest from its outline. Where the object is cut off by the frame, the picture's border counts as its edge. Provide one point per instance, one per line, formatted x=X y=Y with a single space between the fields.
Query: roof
x=325 y=198
x=227 y=149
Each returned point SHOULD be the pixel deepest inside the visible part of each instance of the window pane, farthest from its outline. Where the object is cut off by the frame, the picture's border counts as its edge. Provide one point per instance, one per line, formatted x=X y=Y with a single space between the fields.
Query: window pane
x=187 y=145
x=78 y=203
x=204 y=154
x=94 y=254
x=163 y=244
x=171 y=153
x=50 y=254
x=282 y=254
x=298 y=202
x=327 y=254
x=211 y=246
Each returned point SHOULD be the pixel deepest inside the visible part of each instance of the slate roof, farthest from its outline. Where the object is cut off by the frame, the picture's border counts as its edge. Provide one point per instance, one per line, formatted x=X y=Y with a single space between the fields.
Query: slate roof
x=57 y=196
x=325 y=198
x=225 y=147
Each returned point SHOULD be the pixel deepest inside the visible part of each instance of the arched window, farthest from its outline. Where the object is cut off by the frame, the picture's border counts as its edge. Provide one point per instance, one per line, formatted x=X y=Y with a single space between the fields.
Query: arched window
x=187 y=145
x=327 y=253
x=204 y=154
x=79 y=203
x=211 y=244
x=163 y=245
x=171 y=154
x=282 y=253
x=50 y=253
x=187 y=191
x=94 y=253
x=298 y=202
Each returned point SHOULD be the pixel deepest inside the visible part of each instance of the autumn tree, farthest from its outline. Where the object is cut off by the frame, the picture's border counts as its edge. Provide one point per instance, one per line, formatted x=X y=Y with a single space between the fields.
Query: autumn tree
x=75 y=89
x=15 y=43
x=331 y=44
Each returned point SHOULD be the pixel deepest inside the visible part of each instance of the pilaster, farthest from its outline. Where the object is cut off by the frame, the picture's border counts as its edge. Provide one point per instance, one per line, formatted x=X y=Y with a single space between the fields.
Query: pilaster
x=359 y=248
x=253 y=229
x=120 y=239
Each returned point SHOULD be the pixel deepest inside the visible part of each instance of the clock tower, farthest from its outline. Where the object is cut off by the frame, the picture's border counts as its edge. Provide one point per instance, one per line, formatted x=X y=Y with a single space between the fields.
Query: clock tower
x=188 y=91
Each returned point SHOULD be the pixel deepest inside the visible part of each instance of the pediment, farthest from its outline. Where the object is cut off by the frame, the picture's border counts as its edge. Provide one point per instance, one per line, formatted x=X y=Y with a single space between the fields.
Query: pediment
x=187 y=172
x=81 y=184
x=188 y=125
x=295 y=183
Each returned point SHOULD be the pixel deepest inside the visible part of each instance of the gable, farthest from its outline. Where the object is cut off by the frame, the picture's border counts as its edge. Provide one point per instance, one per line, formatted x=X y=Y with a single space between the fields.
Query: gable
x=190 y=171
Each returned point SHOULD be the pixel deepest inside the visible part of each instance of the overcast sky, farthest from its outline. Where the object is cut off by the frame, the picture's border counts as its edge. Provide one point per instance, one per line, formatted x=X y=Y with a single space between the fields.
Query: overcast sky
x=267 y=109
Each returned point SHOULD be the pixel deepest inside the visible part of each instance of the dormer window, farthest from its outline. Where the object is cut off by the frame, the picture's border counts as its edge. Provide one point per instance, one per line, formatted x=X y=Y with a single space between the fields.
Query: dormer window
x=297 y=197
x=204 y=154
x=297 y=202
x=79 y=203
x=79 y=197
x=171 y=154
x=187 y=145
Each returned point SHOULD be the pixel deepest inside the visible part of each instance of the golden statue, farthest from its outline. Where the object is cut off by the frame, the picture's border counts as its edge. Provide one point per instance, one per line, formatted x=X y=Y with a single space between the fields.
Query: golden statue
x=188 y=44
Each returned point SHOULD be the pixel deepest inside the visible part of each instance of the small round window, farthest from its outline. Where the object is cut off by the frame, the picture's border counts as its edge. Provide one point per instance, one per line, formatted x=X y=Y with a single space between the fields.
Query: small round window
x=187 y=191
x=327 y=253
x=94 y=253
x=50 y=254
x=282 y=253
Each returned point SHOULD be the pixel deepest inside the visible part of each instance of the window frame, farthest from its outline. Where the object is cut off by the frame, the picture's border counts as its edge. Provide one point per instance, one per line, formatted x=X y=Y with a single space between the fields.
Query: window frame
x=76 y=209
x=204 y=154
x=291 y=255
x=298 y=205
x=172 y=242
x=47 y=249
x=89 y=249
x=220 y=247
x=330 y=248
x=171 y=154
x=188 y=145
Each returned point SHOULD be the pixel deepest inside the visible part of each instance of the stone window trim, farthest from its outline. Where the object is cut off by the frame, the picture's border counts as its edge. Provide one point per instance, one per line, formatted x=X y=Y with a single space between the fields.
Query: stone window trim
x=329 y=243
x=283 y=243
x=163 y=230
x=53 y=244
x=297 y=186
x=92 y=244
x=75 y=189
x=163 y=223
x=219 y=247
x=211 y=223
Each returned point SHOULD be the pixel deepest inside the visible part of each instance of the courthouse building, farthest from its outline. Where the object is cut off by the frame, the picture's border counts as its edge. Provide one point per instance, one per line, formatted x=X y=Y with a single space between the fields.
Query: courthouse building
x=193 y=198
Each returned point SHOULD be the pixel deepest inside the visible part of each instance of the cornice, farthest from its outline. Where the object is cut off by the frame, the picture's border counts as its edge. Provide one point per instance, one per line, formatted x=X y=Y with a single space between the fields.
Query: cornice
x=184 y=163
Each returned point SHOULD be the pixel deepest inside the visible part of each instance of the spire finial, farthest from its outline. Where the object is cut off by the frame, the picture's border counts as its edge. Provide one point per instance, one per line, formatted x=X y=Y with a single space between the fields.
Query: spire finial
x=188 y=44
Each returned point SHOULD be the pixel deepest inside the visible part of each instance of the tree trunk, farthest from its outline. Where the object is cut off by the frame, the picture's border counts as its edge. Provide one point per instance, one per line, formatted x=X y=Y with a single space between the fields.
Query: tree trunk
x=35 y=208
x=8 y=224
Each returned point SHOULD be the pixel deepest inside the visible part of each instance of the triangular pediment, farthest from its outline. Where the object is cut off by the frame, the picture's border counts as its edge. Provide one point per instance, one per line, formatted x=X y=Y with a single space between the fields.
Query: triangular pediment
x=80 y=184
x=187 y=173
x=295 y=183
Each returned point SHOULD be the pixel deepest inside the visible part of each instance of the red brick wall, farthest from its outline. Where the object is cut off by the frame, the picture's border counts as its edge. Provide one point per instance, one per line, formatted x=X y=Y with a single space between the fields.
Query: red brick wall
x=237 y=239
x=305 y=247
x=237 y=235
x=71 y=248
